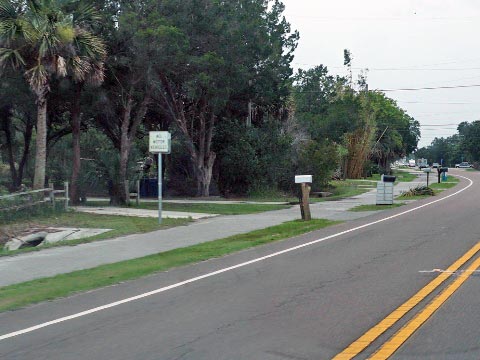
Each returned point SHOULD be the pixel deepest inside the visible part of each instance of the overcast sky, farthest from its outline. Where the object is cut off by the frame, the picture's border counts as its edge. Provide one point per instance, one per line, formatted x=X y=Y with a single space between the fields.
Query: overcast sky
x=404 y=44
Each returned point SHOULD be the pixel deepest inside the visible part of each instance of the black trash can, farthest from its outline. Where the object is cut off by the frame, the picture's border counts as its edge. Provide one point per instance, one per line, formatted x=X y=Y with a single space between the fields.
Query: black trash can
x=149 y=188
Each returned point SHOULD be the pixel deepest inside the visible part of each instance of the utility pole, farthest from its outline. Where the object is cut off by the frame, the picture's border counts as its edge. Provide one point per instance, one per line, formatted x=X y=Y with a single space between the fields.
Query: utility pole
x=250 y=105
x=249 y=118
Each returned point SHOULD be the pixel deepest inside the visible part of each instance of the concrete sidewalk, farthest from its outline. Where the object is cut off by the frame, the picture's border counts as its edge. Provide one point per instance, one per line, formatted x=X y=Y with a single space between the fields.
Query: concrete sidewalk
x=50 y=262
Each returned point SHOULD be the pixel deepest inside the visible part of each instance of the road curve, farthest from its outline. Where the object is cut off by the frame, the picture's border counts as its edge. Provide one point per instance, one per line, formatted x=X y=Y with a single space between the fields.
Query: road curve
x=308 y=303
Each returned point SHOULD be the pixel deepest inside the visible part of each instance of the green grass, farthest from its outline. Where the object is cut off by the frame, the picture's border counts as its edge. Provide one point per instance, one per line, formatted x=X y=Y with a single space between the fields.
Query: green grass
x=19 y=295
x=404 y=176
x=348 y=188
x=222 y=209
x=360 y=208
x=120 y=225
x=374 y=177
x=451 y=182
x=415 y=197
x=204 y=208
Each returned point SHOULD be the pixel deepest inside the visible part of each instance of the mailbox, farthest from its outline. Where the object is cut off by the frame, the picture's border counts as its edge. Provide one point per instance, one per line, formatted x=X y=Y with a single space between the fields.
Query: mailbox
x=300 y=179
x=388 y=178
x=444 y=169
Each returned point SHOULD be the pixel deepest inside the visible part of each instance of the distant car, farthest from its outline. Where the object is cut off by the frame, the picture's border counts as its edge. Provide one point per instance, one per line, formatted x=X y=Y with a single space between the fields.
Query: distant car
x=411 y=163
x=435 y=165
x=463 y=165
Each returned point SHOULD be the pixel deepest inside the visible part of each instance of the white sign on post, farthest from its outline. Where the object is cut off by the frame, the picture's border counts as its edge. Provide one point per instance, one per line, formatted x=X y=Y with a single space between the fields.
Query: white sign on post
x=160 y=142
x=299 y=179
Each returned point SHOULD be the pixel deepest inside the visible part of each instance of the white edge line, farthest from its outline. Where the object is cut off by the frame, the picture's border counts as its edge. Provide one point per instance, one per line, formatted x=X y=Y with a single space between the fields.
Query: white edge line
x=214 y=273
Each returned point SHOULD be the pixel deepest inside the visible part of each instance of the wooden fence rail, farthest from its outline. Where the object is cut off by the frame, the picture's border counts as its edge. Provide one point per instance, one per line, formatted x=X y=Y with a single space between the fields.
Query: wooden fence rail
x=34 y=197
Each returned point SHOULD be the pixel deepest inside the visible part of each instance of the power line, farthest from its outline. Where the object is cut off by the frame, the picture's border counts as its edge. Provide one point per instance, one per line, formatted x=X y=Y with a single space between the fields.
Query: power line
x=431 y=88
x=400 y=89
x=394 y=68
x=437 y=103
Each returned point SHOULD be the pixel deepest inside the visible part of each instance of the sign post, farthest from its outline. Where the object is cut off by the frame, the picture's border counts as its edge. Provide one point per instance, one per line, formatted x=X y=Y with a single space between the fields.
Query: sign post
x=428 y=171
x=160 y=142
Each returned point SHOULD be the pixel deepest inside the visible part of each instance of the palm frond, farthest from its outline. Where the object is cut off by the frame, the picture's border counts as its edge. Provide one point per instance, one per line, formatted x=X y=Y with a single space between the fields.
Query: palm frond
x=90 y=45
x=97 y=74
x=61 y=66
x=7 y=11
x=37 y=78
x=86 y=14
x=79 y=68
x=12 y=57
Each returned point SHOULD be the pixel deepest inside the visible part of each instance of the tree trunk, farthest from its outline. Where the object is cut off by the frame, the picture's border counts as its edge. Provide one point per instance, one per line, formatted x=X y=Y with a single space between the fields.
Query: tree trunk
x=7 y=128
x=27 y=138
x=203 y=173
x=197 y=130
x=76 y=163
x=41 y=141
x=128 y=130
x=125 y=146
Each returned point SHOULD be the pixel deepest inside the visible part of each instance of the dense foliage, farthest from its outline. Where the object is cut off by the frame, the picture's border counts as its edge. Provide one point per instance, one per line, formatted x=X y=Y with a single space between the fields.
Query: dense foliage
x=216 y=74
x=463 y=146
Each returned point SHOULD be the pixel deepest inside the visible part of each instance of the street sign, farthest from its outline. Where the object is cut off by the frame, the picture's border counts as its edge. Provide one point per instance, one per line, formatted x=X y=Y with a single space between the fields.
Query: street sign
x=160 y=142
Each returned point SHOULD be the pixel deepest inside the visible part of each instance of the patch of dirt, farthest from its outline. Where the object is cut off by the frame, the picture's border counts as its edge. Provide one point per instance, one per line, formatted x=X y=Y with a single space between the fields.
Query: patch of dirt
x=19 y=230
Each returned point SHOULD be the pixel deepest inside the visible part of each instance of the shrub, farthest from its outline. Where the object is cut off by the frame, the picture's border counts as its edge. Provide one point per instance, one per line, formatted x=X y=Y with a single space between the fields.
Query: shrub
x=253 y=160
x=319 y=159
x=418 y=191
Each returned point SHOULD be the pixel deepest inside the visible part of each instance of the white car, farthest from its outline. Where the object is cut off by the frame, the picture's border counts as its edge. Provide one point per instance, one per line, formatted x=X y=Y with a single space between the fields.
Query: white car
x=463 y=165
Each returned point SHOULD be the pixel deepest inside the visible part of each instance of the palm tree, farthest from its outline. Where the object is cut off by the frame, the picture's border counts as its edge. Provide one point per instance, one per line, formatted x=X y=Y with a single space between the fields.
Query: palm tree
x=86 y=66
x=44 y=40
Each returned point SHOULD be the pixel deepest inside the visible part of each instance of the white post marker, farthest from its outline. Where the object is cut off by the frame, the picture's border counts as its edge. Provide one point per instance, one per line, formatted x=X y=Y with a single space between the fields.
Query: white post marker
x=305 y=181
x=160 y=142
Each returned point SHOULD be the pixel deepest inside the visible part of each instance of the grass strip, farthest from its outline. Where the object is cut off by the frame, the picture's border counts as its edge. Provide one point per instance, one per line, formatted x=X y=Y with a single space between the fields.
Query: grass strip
x=19 y=295
x=374 y=207
x=451 y=182
x=204 y=208
x=403 y=176
x=222 y=209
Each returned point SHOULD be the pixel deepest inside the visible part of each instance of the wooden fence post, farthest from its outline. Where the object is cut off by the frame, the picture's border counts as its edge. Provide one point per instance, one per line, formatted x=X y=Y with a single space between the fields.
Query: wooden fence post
x=66 y=195
x=127 y=191
x=52 y=194
x=138 y=192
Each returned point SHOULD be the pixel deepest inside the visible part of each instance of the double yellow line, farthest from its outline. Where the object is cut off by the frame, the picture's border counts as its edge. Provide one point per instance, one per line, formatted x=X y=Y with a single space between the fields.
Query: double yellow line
x=392 y=345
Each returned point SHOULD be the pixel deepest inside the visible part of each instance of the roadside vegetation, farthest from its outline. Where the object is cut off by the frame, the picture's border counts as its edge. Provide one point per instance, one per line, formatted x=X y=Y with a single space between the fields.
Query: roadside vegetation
x=422 y=191
x=244 y=123
x=19 y=295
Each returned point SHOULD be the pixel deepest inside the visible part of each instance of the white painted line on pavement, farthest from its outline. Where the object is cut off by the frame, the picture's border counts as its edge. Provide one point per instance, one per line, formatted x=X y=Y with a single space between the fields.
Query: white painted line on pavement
x=221 y=271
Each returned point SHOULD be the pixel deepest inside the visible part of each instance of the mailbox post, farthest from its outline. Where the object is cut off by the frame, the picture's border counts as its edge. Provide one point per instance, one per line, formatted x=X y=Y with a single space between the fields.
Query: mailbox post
x=428 y=171
x=305 y=181
x=442 y=171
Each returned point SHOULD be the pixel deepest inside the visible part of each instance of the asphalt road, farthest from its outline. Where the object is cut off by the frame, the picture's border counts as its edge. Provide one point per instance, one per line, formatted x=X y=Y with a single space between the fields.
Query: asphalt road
x=308 y=303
